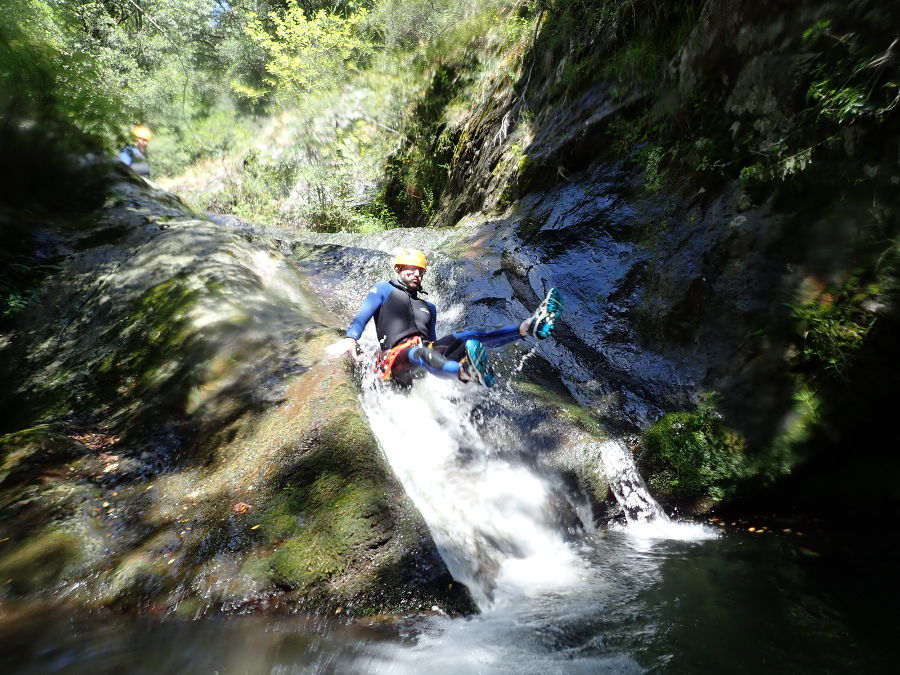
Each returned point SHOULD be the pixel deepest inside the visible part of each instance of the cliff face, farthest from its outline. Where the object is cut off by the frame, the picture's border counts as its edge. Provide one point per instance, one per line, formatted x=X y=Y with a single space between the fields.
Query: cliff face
x=713 y=187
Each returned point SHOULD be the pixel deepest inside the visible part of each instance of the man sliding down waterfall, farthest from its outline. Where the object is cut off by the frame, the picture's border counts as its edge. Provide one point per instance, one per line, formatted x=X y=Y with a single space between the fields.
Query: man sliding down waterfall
x=405 y=325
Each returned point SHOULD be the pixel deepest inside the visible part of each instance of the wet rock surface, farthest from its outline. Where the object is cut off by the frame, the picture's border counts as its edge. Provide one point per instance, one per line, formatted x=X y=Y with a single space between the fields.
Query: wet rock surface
x=174 y=440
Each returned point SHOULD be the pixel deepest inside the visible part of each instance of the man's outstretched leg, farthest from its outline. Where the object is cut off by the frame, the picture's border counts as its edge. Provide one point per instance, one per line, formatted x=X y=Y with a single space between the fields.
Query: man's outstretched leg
x=462 y=354
x=540 y=324
x=467 y=364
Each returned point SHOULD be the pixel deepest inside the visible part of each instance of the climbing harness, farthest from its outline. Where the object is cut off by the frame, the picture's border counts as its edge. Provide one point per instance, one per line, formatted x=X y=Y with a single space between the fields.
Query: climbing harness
x=385 y=360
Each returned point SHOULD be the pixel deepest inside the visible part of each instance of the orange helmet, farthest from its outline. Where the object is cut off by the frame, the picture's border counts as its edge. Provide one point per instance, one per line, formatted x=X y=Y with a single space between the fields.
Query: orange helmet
x=410 y=256
x=141 y=131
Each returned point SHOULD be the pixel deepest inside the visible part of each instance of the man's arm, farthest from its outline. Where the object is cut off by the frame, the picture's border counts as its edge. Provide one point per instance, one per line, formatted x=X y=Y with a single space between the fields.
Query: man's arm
x=374 y=300
x=126 y=156
x=432 y=323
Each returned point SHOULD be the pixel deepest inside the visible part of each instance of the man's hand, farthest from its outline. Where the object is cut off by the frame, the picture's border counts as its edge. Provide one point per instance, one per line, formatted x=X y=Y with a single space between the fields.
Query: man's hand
x=345 y=346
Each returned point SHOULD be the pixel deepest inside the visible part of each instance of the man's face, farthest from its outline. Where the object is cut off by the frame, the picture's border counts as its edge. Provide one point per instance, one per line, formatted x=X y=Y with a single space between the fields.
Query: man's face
x=410 y=275
x=141 y=143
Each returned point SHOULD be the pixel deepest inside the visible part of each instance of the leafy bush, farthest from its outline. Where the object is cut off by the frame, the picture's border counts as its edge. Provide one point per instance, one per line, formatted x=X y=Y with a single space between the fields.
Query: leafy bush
x=214 y=135
x=693 y=455
x=852 y=79
x=833 y=327
x=49 y=80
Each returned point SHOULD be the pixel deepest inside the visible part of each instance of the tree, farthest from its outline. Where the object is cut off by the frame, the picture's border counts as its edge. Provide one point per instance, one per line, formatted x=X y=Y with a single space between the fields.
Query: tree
x=307 y=51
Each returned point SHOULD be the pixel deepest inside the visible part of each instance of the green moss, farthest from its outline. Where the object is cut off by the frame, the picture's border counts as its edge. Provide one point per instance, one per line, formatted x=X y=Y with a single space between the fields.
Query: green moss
x=580 y=416
x=513 y=169
x=36 y=435
x=693 y=455
x=26 y=451
x=306 y=559
x=155 y=334
x=330 y=509
x=39 y=563
x=140 y=354
x=133 y=579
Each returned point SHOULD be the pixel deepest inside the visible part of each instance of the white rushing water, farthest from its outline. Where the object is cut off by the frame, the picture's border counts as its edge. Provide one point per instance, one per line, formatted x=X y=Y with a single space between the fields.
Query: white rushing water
x=505 y=530
x=496 y=522
x=493 y=519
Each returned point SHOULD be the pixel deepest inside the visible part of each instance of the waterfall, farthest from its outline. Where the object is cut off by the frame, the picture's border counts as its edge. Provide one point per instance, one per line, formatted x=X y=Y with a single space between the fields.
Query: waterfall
x=503 y=529
x=508 y=530
x=627 y=485
x=496 y=522
x=645 y=518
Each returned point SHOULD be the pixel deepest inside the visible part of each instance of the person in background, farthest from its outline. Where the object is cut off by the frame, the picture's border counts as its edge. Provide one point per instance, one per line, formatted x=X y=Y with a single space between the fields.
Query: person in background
x=135 y=154
x=405 y=326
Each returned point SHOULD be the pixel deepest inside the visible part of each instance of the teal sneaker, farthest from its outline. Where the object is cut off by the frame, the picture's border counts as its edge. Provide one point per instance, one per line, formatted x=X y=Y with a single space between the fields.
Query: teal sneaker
x=543 y=321
x=477 y=364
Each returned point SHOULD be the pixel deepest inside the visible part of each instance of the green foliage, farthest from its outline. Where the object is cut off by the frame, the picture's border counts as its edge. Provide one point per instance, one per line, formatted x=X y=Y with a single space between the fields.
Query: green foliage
x=653 y=177
x=751 y=175
x=416 y=173
x=18 y=286
x=624 y=42
x=310 y=52
x=836 y=102
x=833 y=327
x=318 y=180
x=254 y=189
x=459 y=66
x=694 y=455
x=49 y=79
x=216 y=134
x=54 y=103
x=851 y=80
x=12 y=300
x=639 y=63
x=790 y=448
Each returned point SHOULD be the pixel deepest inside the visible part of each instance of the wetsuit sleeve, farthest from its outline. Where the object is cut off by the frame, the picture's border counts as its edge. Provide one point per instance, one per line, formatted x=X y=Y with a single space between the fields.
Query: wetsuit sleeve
x=126 y=157
x=373 y=301
x=432 y=323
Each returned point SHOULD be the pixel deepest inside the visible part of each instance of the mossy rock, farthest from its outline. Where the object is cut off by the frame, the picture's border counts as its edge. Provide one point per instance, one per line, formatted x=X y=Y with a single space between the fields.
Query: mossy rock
x=582 y=430
x=156 y=336
x=690 y=456
x=26 y=453
x=134 y=579
x=208 y=401
x=40 y=563
x=330 y=508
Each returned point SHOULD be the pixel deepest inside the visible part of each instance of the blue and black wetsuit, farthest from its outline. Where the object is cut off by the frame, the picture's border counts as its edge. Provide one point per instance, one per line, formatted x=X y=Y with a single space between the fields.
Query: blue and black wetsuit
x=132 y=156
x=400 y=313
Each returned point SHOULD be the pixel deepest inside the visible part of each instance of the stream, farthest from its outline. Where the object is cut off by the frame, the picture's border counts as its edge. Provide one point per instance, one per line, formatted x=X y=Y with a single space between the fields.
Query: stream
x=737 y=603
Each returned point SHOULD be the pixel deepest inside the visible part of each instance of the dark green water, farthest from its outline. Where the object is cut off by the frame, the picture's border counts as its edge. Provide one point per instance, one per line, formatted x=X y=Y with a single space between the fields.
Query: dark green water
x=740 y=603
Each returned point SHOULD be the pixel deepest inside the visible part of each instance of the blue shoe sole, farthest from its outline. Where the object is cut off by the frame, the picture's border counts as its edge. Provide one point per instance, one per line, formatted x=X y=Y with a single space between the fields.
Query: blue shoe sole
x=479 y=367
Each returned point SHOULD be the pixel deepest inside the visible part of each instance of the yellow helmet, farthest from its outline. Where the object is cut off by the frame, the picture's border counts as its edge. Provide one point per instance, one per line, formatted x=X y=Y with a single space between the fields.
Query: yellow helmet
x=141 y=131
x=410 y=256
